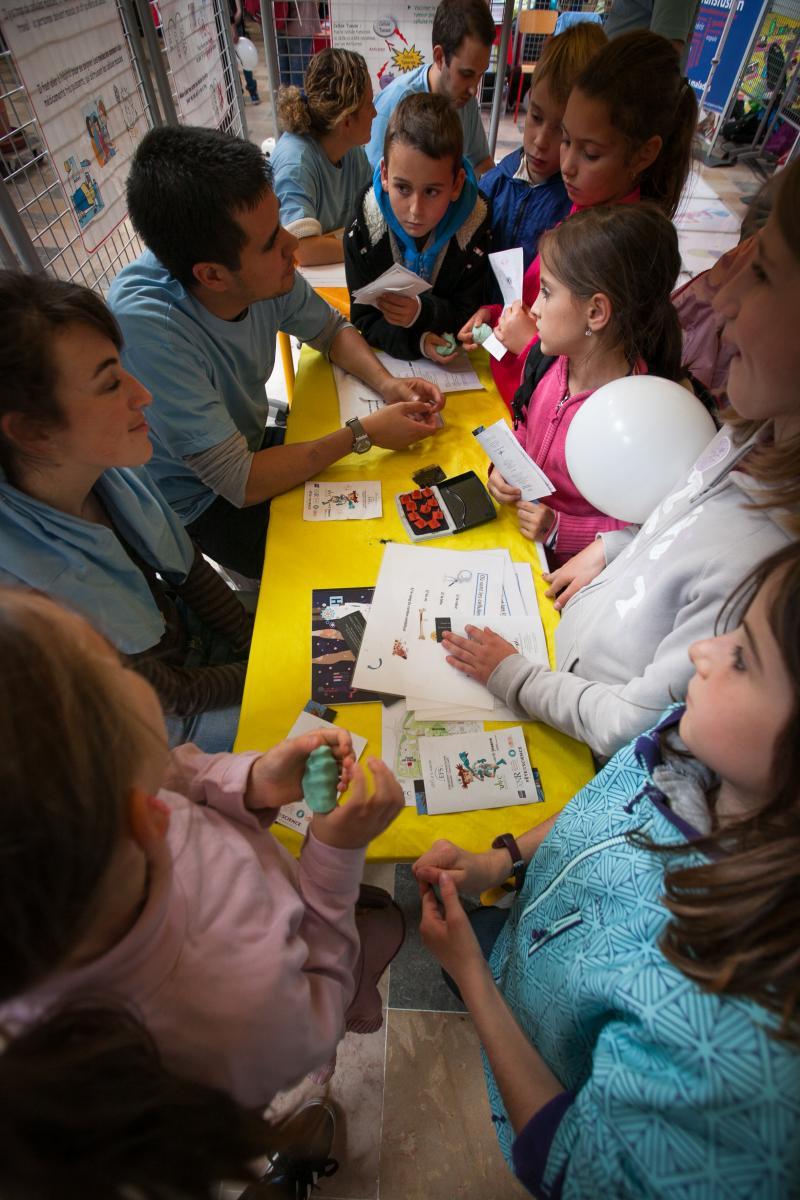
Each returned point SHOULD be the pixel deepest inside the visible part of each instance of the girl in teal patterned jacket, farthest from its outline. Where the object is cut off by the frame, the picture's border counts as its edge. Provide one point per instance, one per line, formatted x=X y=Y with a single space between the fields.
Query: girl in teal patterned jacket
x=640 y=1011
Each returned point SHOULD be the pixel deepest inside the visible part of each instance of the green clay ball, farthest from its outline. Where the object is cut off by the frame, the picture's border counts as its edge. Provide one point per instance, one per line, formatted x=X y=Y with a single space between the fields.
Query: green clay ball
x=480 y=333
x=450 y=345
x=320 y=779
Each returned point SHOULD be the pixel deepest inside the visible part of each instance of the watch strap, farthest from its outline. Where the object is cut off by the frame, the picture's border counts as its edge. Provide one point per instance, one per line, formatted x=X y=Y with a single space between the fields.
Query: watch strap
x=507 y=841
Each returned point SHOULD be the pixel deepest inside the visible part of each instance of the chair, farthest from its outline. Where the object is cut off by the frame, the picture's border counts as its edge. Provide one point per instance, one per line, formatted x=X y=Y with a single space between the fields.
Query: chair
x=538 y=23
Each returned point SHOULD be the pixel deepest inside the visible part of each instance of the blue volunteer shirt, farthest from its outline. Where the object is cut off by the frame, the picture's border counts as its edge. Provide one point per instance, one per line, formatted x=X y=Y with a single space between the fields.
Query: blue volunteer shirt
x=207 y=375
x=315 y=195
x=476 y=147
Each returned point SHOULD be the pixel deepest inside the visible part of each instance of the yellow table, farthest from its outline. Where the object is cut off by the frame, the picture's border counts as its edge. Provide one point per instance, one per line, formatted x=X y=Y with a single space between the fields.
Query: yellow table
x=305 y=555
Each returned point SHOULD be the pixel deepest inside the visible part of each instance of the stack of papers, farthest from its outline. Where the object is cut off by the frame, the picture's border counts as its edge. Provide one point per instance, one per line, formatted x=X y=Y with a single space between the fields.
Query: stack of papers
x=357 y=399
x=419 y=592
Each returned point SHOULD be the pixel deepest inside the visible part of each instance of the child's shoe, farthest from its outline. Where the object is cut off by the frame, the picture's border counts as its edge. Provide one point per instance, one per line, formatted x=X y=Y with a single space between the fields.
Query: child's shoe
x=303 y=1155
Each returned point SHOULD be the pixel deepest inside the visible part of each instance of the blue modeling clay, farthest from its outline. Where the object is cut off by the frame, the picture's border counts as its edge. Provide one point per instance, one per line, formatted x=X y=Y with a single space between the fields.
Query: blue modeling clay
x=320 y=779
x=450 y=346
x=480 y=333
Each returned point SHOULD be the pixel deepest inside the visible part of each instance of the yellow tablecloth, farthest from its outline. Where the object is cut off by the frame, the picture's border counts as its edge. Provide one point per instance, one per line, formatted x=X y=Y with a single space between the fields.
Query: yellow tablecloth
x=305 y=555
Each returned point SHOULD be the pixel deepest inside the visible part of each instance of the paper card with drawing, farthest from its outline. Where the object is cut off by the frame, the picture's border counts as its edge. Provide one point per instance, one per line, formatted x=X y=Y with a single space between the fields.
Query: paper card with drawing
x=324 y=501
x=400 y=734
x=477 y=771
x=514 y=464
x=509 y=270
x=400 y=653
x=396 y=279
x=297 y=816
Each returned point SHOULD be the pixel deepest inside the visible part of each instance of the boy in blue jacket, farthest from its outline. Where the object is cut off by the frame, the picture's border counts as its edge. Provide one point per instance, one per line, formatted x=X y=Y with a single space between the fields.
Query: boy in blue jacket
x=525 y=189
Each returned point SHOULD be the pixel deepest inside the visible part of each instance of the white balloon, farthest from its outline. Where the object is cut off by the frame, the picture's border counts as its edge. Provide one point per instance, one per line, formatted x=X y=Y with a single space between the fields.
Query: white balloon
x=247 y=53
x=630 y=441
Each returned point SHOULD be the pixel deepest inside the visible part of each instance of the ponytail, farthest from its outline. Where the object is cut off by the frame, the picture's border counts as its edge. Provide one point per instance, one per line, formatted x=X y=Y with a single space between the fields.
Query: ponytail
x=335 y=85
x=638 y=77
x=88 y=1109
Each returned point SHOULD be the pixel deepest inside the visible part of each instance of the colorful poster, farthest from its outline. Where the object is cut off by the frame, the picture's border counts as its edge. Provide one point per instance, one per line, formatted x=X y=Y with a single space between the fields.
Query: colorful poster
x=194 y=52
x=73 y=59
x=711 y=18
x=394 y=40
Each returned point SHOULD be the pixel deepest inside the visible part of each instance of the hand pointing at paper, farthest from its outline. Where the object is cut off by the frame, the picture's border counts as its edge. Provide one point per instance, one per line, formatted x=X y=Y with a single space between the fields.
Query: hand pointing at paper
x=478 y=654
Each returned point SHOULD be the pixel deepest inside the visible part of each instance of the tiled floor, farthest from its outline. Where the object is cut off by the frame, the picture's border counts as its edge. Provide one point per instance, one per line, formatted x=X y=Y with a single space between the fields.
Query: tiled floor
x=415 y=1122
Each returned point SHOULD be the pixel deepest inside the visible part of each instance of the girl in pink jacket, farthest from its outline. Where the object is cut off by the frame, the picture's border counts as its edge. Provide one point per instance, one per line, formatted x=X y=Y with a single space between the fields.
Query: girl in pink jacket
x=136 y=877
x=604 y=312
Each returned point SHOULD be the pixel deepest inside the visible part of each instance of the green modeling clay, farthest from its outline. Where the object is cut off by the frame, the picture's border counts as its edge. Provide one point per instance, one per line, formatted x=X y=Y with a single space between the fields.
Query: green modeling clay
x=451 y=344
x=480 y=333
x=319 y=780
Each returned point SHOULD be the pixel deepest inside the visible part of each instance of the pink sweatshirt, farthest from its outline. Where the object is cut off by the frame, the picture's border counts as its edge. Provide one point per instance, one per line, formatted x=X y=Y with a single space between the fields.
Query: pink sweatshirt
x=241 y=963
x=507 y=371
x=543 y=434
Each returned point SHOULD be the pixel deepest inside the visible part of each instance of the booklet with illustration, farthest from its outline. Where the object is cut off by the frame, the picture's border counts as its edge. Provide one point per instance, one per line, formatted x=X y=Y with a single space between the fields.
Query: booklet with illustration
x=338 y=619
x=477 y=770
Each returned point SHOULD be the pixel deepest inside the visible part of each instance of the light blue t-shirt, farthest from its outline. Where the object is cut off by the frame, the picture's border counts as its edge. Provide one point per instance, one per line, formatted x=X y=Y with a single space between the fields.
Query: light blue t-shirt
x=86 y=565
x=476 y=147
x=207 y=375
x=316 y=196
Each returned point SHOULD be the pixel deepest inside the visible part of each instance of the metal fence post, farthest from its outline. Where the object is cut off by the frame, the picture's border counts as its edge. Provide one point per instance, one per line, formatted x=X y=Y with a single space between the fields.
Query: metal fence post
x=271 y=58
x=155 y=55
x=500 y=74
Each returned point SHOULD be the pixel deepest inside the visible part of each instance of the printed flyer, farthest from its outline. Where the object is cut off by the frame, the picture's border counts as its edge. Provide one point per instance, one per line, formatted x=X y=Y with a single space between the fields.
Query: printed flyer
x=476 y=771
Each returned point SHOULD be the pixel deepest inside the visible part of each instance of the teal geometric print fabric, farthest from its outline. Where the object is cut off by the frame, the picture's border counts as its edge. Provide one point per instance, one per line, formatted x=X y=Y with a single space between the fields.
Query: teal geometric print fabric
x=676 y=1093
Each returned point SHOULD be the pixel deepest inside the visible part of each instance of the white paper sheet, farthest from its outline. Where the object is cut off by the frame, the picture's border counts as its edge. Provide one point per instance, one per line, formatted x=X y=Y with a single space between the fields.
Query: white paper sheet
x=356 y=501
x=329 y=276
x=455 y=376
x=495 y=347
x=527 y=590
x=396 y=279
x=416 y=584
x=400 y=734
x=525 y=633
x=513 y=463
x=477 y=771
x=297 y=816
x=509 y=270
x=356 y=399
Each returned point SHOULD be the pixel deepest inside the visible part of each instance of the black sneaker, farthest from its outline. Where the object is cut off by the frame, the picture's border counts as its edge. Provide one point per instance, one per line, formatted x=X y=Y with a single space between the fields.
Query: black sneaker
x=302 y=1155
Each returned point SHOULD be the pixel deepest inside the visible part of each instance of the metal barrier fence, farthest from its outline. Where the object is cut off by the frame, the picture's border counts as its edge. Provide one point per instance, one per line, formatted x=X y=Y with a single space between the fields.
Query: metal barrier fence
x=39 y=230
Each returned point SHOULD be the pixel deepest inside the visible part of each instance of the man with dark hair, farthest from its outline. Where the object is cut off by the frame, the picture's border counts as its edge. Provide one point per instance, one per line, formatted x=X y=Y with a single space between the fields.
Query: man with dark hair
x=199 y=312
x=463 y=33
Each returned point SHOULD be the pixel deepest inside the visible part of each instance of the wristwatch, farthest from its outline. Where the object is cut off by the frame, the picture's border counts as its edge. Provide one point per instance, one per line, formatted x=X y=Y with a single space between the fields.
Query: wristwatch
x=361 y=439
x=519 y=867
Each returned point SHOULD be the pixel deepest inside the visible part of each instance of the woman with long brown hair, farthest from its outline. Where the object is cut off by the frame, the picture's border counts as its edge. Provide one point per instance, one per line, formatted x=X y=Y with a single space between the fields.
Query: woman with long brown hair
x=640 y=1011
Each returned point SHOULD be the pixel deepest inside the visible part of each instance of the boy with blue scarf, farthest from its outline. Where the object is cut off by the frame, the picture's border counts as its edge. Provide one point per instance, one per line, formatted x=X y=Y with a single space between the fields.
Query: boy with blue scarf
x=424 y=211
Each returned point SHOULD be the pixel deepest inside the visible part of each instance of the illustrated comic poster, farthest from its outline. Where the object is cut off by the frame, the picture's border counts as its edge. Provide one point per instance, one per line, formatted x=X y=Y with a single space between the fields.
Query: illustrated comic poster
x=74 y=62
x=394 y=39
x=476 y=771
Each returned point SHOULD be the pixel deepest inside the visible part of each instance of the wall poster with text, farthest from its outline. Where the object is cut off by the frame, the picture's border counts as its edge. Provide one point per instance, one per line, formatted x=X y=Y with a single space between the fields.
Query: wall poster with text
x=393 y=37
x=73 y=59
x=194 y=51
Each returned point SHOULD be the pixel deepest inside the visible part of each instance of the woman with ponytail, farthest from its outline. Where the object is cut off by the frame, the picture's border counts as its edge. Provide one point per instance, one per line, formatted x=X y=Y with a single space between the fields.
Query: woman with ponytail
x=319 y=165
x=604 y=312
x=627 y=136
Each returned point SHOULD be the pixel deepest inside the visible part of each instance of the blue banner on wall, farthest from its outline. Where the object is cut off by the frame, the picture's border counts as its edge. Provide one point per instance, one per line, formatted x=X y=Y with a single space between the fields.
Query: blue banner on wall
x=711 y=18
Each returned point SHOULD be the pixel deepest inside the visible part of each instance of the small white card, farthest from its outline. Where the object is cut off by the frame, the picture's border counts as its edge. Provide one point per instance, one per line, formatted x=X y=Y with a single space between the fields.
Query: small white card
x=397 y=279
x=297 y=816
x=357 y=501
x=509 y=270
x=477 y=771
x=514 y=464
x=495 y=347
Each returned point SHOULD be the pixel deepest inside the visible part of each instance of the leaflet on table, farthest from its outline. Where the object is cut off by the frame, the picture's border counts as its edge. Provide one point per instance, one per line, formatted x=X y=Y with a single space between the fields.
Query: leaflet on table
x=338 y=619
x=476 y=771
x=356 y=399
x=431 y=710
x=331 y=275
x=455 y=376
x=516 y=467
x=509 y=270
x=400 y=734
x=416 y=585
x=527 y=589
x=357 y=501
x=296 y=816
x=395 y=279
